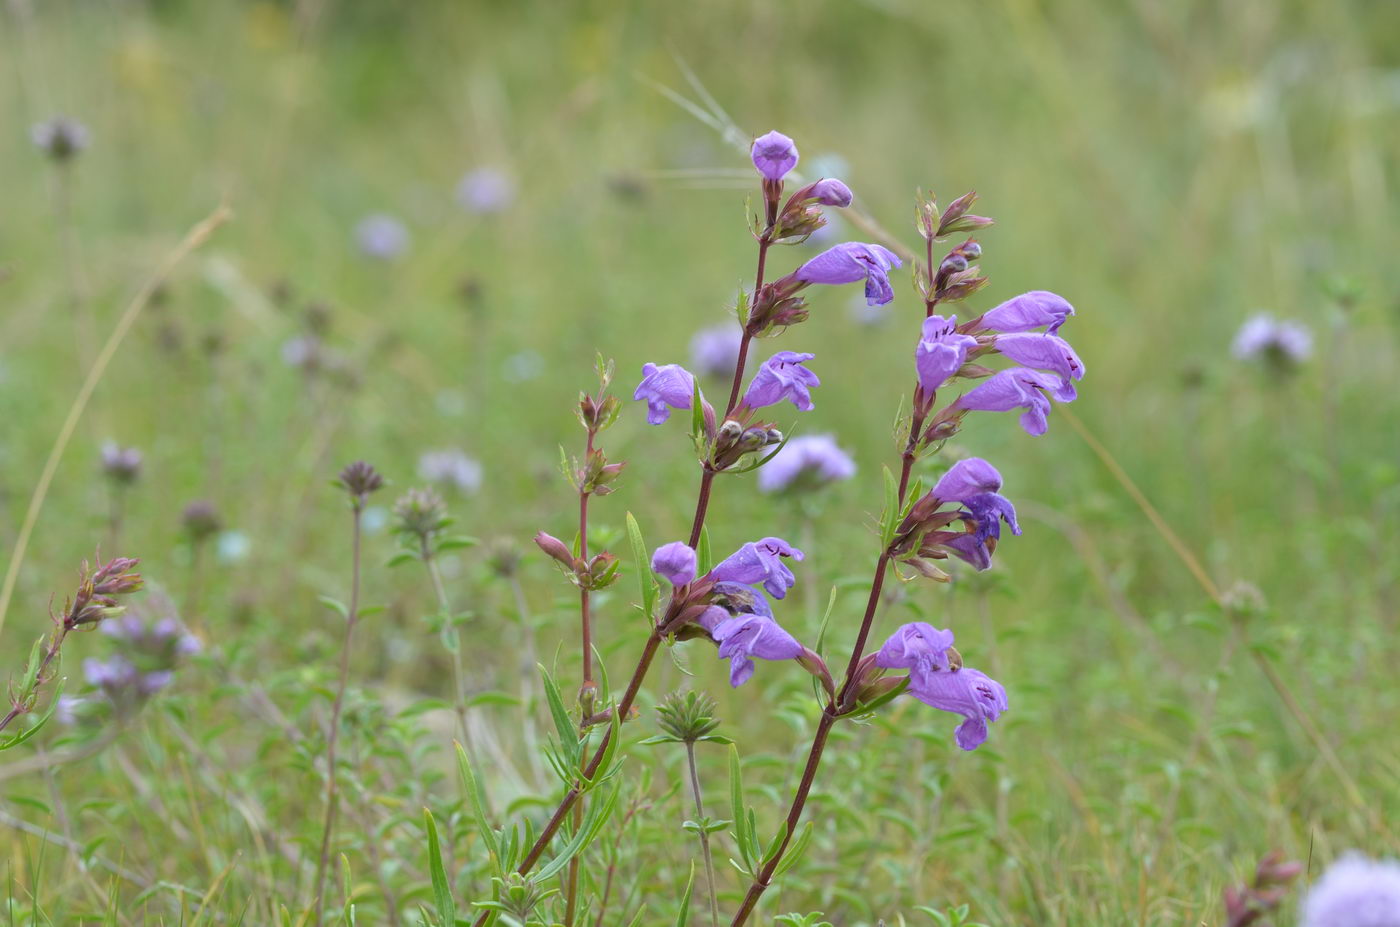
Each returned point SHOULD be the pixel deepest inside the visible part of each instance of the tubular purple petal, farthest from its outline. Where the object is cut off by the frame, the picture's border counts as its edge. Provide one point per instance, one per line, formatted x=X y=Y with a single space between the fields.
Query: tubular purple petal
x=1028 y=312
x=667 y=387
x=774 y=155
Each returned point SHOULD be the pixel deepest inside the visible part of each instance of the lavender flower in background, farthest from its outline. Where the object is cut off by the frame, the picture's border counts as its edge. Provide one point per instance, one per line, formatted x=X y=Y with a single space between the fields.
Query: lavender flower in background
x=1029 y=311
x=715 y=350
x=941 y=352
x=120 y=464
x=760 y=562
x=852 y=262
x=1284 y=344
x=782 y=376
x=676 y=562
x=774 y=155
x=522 y=366
x=1355 y=892
x=743 y=637
x=381 y=237
x=303 y=352
x=150 y=650
x=451 y=467
x=60 y=138
x=806 y=462
x=667 y=387
x=485 y=191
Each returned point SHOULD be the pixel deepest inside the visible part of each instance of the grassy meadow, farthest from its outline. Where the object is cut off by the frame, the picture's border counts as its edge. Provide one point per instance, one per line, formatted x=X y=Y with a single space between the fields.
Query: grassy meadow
x=1197 y=629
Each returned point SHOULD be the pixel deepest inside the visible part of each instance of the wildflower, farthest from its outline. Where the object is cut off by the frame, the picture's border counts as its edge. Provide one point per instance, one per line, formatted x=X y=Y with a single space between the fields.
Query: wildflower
x=715 y=350
x=1028 y=312
x=743 y=637
x=60 y=138
x=668 y=385
x=941 y=352
x=782 y=376
x=360 y=479
x=201 y=520
x=774 y=155
x=419 y=515
x=829 y=192
x=676 y=562
x=918 y=647
x=1285 y=344
x=1045 y=352
x=381 y=237
x=967 y=692
x=967 y=478
x=1016 y=388
x=485 y=190
x=451 y=467
x=304 y=352
x=852 y=262
x=121 y=464
x=760 y=562
x=1355 y=892
x=811 y=460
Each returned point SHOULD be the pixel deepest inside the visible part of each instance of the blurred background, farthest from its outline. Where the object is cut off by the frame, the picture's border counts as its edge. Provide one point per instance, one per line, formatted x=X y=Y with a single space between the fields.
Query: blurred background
x=442 y=211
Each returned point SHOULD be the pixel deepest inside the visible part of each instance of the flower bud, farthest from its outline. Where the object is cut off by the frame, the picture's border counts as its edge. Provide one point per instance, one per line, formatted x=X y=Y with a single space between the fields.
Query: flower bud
x=201 y=520
x=360 y=479
x=953 y=264
x=687 y=717
x=774 y=155
x=555 y=548
x=971 y=250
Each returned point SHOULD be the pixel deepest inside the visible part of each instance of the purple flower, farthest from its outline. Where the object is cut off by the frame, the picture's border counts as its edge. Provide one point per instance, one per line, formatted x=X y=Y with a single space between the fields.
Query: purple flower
x=1045 y=352
x=941 y=351
x=918 y=647
x=715 y=350
x=850 y=262
x=1015 y=388
x=782 y=376
x=743 y=637
x=967 y=692
x=1355 y=892
x=987 y=511
x=485 y=190
x=381 y=237
x=1264 y=336
x=676 y=562
x=808 y=460
x=668 y=385
x=450 y=466
x=967 y=478
x=760 y=562
x=60 y=138
x=774 y=155
x=830 y=192
x=967 y=548
x=1028 y=312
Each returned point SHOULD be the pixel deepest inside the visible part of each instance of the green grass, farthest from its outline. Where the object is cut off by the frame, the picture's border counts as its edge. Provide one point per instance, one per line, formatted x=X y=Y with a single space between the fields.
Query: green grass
x=1169 y=168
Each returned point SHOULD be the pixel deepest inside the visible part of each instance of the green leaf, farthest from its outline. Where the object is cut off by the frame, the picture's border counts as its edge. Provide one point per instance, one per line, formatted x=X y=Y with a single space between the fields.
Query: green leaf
x=402 y=557
x=703 y=557
x=890 y=515
x=683 y=916
x=334 y=605
x=21 y=736
x=563 y=724
x=639 y=554
x=775 y=845
x=476 y=799
x=456 y=543
x=442 y=890
x=794 y=851
x=736 y=804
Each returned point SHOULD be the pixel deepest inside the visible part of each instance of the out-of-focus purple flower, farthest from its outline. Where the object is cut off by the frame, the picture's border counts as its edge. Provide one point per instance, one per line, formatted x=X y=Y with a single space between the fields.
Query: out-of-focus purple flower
x=1263 y=336
x=760 y=562
x=668 y=385
x=60 y=137
x=782 y=376
x=485 y=190
x=381 y=237
x=967 y=478
x=451 y=467
x=743 y=637
x=830 y=192
x=1015 y=388
x=806 y=461
x=1355 y=892
x=1029 y=311
x=967 y=692
x=774 y=155
x=918 y=647
x=121 y=464
x=851 y=262
x=304 y=352
x=67 y=710
x=715 y=350
x=675 y=561
x=1045 y=352
x=114 y=672
x=941 y=351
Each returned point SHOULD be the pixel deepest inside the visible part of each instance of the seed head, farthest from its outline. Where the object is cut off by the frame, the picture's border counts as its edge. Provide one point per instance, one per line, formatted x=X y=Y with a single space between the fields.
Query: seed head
x=687 y=716
x=60 y=138
x=201 y=520
x=420 y=513
x=360 y=479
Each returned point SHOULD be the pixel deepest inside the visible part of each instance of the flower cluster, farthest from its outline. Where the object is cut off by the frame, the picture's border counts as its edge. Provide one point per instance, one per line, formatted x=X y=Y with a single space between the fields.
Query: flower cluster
x=1355 y=892
x=927 y=532
x=1280 y=344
